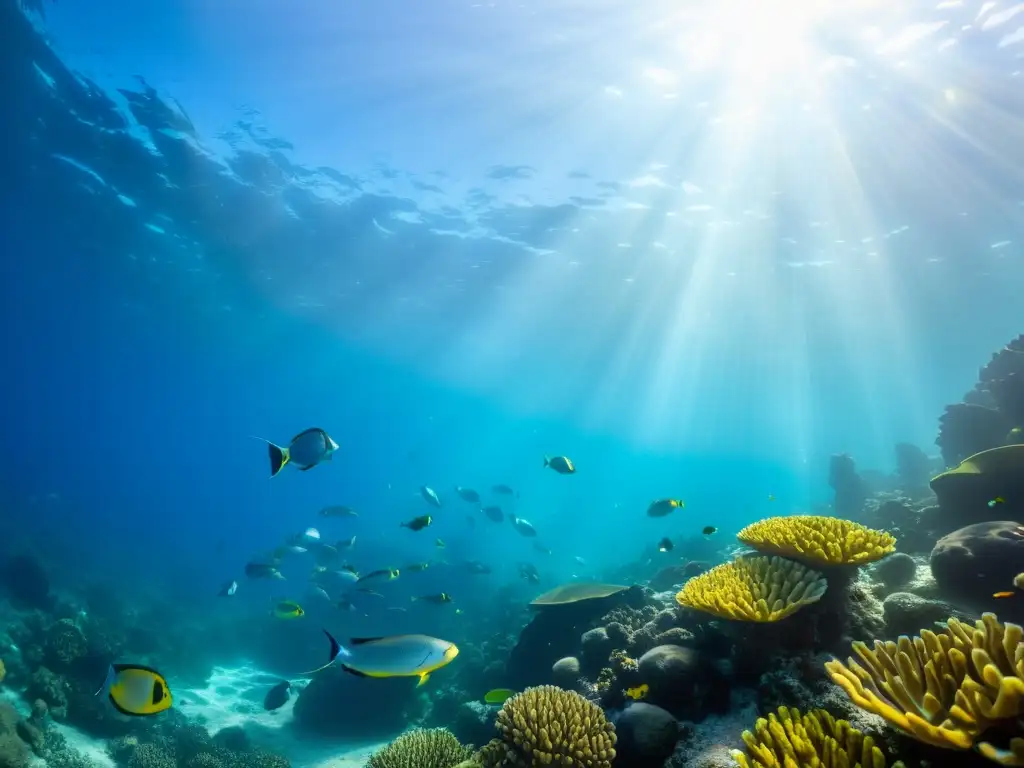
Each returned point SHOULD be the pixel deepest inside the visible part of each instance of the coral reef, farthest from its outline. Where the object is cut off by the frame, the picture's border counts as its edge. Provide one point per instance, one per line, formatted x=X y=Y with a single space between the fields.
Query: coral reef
x=761 y=589
x=985 y=486
x=896 y=571
x=807 y=741
x=817 y=540
x=546 y=725
x=947 y=689
x=421 y=748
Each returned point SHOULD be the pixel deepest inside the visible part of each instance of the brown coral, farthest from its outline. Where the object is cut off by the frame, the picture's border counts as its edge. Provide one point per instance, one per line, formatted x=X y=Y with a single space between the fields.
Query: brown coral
x=946 y=689
x=818 y=540
x=807 y=741
x=761 y=589
x=549 y=726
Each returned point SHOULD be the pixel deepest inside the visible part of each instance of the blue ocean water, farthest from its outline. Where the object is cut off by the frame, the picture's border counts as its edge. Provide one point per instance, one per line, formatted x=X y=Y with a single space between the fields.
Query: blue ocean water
x=462 y=236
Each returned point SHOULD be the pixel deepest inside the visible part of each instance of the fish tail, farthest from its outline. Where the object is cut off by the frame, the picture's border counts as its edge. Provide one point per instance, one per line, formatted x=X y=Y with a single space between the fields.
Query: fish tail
x=423 y=679
x=278 y=458
x=338 y=651
x=107 y=681
x=547 y=461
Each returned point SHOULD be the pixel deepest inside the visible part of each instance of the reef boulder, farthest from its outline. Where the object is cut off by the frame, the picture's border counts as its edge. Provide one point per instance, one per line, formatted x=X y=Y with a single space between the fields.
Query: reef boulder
x=976 y=561
x=647 y=736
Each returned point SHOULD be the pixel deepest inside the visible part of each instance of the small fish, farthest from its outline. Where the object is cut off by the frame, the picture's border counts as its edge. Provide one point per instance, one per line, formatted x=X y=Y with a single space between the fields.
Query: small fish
x=498 y=696
x=439 y=543
x=494 y=513
x=708 y=530
x=418 y=523
x=529 y=572
x=398 y=608
x=504 y=490
x=345 y=543
x=1015 y=436
x=286 y=609
x=277 y=696
x=350 y=569
x=416 y=567
x=580 y=560
x=395 y=656
x=312 y=534
x=439 y=599
x=561 y=464
x=771 y=497
x=386 y=574
x=662 y=507
x=262 y=571
x=468 y=494
x=665 y=545
x=458 y=611
x=136 y=690
x=338 y=511
x=322 y=592
x=541 y=548
x=430 y=496
x=1018 y=581
x=1003 y=594
x=638 y=693
x=229 y=589
x=305 y=451
x=997 y=500
x=523 y=526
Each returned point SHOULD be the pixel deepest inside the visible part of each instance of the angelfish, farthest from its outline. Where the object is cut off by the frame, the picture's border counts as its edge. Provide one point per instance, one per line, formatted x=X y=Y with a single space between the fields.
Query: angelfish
x=393 y=656
x=305 y=450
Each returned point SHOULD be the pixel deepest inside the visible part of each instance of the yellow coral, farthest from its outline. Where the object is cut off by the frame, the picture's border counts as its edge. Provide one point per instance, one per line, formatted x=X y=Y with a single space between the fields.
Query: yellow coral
x=818 y=540
x=549 y=726
x=814 y=740
x=761 y=589
x=944 y=688
x=421 y=748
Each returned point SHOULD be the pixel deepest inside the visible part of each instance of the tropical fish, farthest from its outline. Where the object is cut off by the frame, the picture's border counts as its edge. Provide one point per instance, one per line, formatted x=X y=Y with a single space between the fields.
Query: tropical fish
x=416 y=567
x=418 y=523
x=286 y=609
x=305 y=451
x=638 y=693
x=369 y=592
x=665 y=545
x=529 y=572
x=1003 y=594
x=662 y=507
x=708 y=530
x=523 y=526
x=136 y=690
x=771 y=497
x=468 y=494
x=561 y=464
x=1015 y=436
x=312 y=534
x=439 y=599
x=498 y=696
x=345 y=543
x=439 y=543
x=338 y=511
x=393 y=656
x=1018 y=581
x=541 y=548
x=997 y=500
x=430 y=496
x=494 y=513
x=504 y=490
x=277 y=696
x=321 y=591
x=262 y=571
x=385 y=574
x=580 y=560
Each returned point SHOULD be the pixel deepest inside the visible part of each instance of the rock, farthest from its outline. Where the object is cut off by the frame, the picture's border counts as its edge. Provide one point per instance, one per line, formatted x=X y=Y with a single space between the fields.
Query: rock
x=907 y=614
x=897 y=570
x=669 y=577
x=974 y=562
x=566 y=672
x=647 y=736
x=595 y=645
x=671 y=673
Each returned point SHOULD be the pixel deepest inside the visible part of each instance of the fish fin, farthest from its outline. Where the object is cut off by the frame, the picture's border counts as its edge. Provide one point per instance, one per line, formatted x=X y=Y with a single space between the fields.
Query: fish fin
x=363 y=640
x=278 y=458
x=108 y=680
x=353 y=671
x=306 y=469
x=305 y=432
x=337 y=649
x=423 y=679
x=547 y=461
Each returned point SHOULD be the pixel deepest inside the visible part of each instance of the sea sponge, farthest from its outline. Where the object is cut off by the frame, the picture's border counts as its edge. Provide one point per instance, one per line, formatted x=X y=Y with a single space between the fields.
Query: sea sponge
x=946 y=688
x=761 y=589
x=807 y=741
x=818 y=540
x=547 y=725
x=421 y=748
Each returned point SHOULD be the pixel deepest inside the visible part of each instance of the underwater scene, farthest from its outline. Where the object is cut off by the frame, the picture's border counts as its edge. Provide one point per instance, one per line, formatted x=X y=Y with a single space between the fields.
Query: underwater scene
x=486 y=384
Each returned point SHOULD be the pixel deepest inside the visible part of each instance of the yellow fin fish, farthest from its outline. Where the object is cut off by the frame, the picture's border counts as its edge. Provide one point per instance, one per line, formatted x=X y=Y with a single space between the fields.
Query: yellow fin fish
x=499 y=695
x=136 y=690
x=286 y=609
x=392 y=656
x=638 y=693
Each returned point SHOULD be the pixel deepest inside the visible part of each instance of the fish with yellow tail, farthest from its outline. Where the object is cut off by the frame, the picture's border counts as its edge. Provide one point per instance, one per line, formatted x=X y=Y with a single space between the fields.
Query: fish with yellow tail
x=392 y=656
x=638 y=693
x=305 y=450
x=662 y=507
x=136 y=690
x=563 y=465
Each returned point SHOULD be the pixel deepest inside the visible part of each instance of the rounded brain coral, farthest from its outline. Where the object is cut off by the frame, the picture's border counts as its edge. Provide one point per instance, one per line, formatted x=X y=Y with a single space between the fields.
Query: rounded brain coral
x=818 y=540
x=549 y=726
x=761 y=589
x=421 y=748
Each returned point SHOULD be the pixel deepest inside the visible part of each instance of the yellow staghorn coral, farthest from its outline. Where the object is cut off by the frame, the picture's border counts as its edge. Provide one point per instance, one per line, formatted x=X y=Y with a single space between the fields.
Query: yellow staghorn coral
x=946 y=688
x=818 y=540
x=761 y=589
x=550 y=726
x=814 y=740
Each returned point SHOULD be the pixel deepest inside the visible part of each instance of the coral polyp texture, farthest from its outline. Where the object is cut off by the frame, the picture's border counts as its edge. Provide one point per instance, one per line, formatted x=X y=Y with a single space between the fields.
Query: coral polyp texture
x=421 y=748
x=814 y=740
x=761 y=589
x=818 y=540
x=946 y=689
x=550 y=726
